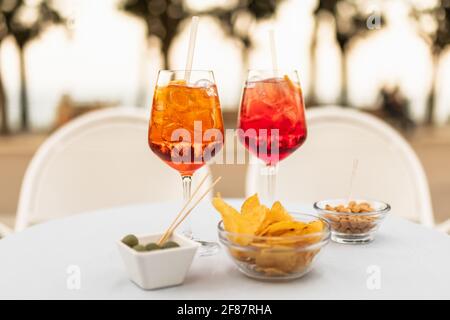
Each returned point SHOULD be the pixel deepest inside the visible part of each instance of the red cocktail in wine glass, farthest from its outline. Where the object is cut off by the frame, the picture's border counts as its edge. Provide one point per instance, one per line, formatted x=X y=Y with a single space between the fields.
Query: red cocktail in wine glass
x=272 y=118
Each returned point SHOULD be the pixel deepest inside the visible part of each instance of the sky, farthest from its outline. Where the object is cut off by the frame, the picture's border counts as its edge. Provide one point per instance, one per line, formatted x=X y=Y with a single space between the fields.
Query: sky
x=104 y=56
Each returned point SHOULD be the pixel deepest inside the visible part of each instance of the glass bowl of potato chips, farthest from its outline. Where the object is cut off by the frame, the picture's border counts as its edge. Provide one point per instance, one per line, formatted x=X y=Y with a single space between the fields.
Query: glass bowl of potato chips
x=271 y=244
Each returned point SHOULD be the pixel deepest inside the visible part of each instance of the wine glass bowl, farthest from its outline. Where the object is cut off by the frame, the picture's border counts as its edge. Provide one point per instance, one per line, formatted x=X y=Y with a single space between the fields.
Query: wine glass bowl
x=186 y=128
x=271 y=117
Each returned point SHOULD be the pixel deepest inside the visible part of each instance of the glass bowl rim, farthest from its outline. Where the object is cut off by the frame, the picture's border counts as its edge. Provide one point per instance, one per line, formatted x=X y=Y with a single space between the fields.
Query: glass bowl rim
x=385 y=207
x=326 y=234
x=272 y=70
x=184 y=70
x=274 y=73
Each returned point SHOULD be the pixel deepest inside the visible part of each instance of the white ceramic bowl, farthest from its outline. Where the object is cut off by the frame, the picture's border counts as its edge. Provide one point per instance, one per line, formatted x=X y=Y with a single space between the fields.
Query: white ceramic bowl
x=158 y=268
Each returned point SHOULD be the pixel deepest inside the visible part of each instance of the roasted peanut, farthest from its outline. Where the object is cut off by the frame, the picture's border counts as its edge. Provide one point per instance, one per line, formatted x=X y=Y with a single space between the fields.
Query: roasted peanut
x=350 y=223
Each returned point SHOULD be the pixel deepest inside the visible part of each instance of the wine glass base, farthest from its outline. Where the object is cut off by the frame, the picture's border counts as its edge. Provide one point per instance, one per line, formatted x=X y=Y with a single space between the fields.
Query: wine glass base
x=187 y=232
x=207 y=248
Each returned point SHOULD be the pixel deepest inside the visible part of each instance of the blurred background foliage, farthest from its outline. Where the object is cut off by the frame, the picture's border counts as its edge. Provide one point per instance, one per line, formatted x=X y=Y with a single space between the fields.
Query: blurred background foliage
x=163 y=17
x=25 y=20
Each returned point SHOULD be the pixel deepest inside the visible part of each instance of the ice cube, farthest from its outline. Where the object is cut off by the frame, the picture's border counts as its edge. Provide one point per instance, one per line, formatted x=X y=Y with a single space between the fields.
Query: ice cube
x=251 y=82
x=171 y=132
x=208 y=85
x=179 y=98
x=273 y=93
x=203 y=83
x=158 y=117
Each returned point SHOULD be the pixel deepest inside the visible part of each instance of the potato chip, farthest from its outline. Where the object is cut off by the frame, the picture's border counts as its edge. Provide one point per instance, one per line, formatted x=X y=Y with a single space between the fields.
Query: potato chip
x=277 y=229
x=279 y=213
x=254 y=212
x=288 y=239
x=284 y=260
x=230 y=216
x=313 y=227
x=256 y=217
x=249 y=204
x=235 y=222
x=271 y=272
x=276 y=214
x=243 y=255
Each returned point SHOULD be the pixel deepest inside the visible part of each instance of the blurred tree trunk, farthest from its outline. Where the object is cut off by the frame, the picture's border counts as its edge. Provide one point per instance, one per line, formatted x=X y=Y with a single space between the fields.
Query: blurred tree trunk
x=312 y=94
x=245 y=60
x=4 y=128
x=165 y=54
x=143 y=77
x=431 y=99
x=23 y=91
x=344 y=95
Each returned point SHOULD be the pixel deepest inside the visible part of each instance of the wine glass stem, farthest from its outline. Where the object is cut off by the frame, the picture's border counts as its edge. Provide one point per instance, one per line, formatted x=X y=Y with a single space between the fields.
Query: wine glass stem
x=207 y=248
x=271 y=183
x=187 y=181
x=185 y=226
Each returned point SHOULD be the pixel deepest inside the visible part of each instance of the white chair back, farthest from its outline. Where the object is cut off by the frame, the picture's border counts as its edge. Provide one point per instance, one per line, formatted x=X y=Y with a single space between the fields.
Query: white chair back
x=98 y=160
x=388 y=169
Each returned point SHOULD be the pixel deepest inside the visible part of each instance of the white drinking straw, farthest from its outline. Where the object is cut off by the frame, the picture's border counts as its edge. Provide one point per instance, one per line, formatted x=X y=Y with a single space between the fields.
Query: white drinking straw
x=273 y=50
x=190 y=56
x=352 y=178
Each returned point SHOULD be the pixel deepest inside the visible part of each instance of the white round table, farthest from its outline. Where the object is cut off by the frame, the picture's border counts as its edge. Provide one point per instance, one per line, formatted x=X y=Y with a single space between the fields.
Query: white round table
x=405 y=261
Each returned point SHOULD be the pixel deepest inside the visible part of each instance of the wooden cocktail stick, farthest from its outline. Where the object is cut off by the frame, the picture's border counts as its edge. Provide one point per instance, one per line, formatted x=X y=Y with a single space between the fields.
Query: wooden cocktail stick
x=192 y=208
x=185 y=205
x=177 y=221
x=352 y=179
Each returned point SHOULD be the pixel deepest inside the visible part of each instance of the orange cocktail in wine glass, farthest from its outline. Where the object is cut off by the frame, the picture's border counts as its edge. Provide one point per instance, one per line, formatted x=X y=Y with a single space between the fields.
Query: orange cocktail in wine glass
x=186 y=128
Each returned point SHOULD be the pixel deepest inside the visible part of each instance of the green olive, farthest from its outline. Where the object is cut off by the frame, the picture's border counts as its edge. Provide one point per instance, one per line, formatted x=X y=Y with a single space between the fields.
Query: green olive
x=139 y=247
x=169 y=244
x=152 y=246
x=130 y=240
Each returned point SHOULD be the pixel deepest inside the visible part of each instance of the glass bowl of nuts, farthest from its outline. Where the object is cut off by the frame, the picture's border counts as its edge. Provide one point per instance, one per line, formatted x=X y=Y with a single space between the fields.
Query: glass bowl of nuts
x=353 y=222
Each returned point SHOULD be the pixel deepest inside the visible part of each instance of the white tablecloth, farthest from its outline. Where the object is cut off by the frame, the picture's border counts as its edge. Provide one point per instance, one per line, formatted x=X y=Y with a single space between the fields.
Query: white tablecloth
x=405 y=261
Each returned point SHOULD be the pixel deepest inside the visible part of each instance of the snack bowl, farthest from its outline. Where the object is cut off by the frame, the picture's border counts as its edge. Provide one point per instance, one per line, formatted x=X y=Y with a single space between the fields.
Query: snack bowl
x=352 y=227
x=275 y=258
x=158 y=268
